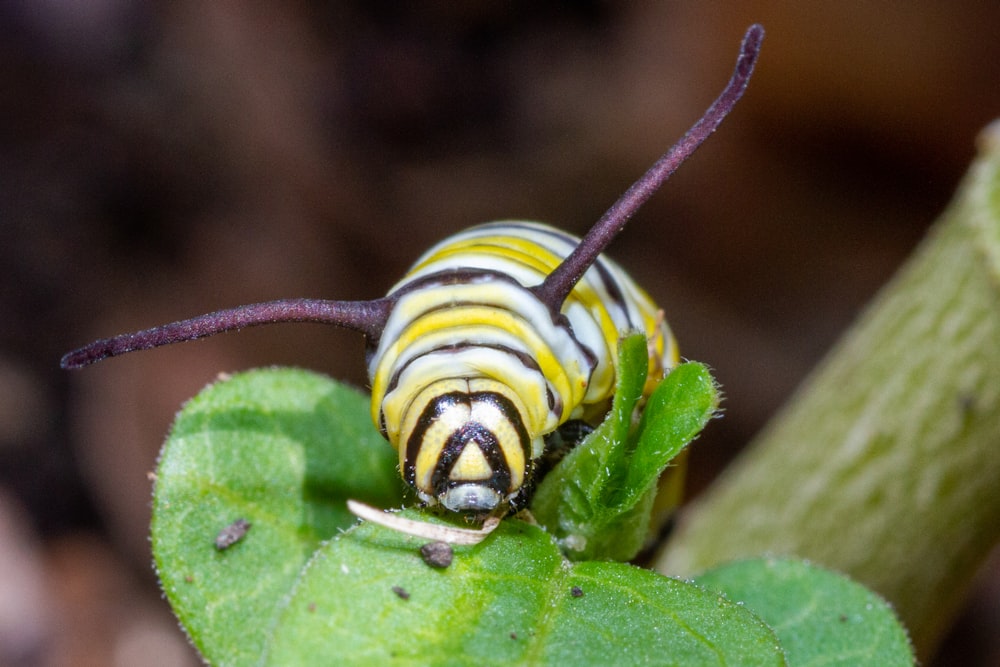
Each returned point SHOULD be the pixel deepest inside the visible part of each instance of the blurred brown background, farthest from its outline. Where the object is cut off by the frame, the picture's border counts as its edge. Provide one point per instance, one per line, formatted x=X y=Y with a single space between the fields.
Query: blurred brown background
x=160 y=160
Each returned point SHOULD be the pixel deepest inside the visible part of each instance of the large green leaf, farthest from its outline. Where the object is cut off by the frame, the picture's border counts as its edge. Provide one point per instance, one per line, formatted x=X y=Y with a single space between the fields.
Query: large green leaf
x=367 y=598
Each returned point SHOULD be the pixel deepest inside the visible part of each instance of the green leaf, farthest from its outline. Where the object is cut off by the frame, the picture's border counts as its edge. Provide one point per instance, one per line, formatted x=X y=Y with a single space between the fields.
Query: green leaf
x=821 y=618
x=598 y=500
x=367 y=598
x=283 y=450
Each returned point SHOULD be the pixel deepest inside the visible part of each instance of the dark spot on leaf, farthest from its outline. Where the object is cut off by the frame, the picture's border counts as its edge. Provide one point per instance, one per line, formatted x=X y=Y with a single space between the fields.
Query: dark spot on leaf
x=513 y=635
x=311 y=607
x=232 y=534
x=437 y=554
x=401 y=592
x=576 y=592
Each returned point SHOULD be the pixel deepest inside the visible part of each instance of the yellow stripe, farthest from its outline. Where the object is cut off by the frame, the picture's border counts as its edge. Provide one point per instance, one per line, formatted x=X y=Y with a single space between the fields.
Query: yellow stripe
x=522 y=251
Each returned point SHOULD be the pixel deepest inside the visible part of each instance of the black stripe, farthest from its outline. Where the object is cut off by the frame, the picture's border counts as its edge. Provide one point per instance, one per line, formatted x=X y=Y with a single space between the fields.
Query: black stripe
x=613 y=289
x=448 y=277
x=431 y=413
x=526 y=359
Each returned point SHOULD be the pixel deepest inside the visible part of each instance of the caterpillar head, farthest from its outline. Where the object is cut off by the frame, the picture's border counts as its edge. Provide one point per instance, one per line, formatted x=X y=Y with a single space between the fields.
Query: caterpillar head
x=463 y=444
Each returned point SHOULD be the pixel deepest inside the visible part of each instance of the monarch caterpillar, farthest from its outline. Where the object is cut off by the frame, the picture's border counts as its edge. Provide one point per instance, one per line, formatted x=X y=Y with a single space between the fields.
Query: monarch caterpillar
x=495 y=339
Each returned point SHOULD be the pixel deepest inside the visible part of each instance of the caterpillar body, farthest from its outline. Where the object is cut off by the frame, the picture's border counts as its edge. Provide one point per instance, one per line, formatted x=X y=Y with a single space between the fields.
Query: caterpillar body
x=496 y=338
x=472 y=371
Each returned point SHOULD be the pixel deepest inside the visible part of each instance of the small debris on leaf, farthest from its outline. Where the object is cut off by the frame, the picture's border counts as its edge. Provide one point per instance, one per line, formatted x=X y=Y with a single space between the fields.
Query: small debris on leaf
x=437 y=554
x=232 y=534
x=576 y=592
x=401 y=592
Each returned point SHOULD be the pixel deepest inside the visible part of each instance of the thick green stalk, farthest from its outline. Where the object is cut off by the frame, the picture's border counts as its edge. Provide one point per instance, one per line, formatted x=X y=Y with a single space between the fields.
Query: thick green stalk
x=886 y=464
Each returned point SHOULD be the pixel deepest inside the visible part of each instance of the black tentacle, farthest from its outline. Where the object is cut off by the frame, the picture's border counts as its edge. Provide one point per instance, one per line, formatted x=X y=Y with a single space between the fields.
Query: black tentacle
x=368 y=317
x=557 y=286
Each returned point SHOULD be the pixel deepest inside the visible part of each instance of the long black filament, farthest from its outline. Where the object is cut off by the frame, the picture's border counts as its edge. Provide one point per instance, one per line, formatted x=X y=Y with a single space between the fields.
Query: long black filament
x=558 y=284
x=367 y=317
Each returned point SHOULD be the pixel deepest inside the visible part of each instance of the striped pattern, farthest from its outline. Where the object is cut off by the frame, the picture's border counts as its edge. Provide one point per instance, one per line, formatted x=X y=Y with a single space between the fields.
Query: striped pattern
x=469 y=356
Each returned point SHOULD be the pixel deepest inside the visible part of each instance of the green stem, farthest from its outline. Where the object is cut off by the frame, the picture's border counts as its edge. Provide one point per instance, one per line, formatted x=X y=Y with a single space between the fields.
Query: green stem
x=886 y=463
